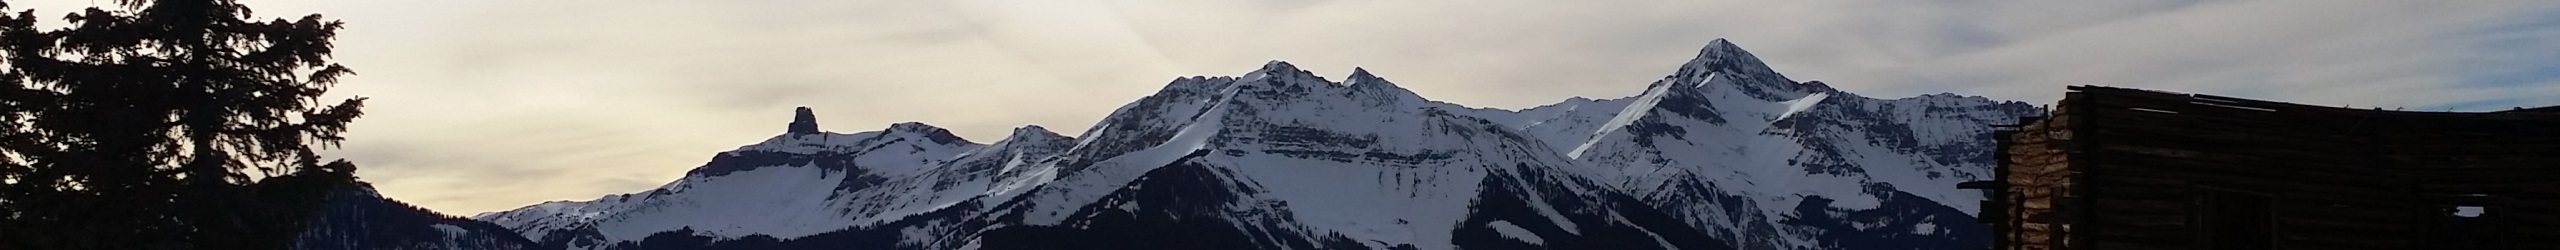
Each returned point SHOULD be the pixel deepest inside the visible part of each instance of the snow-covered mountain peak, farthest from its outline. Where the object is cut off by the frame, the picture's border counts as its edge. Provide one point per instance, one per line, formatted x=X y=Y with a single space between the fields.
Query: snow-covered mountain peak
x=1277 y=66
x=1724 y=48
x=1285 y=77
x=930 y=132
x=1034 y=133
x=1360 y=76
x=1726 y=134
x=1723 y=88
x=1724 y=56
x=1752 y=76
x=1372 y=90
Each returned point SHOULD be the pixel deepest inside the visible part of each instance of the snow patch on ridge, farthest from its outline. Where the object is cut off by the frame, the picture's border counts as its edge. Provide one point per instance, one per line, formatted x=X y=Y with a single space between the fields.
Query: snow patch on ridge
x=1800 y=104
x=1515 y=232
x=1627 y=116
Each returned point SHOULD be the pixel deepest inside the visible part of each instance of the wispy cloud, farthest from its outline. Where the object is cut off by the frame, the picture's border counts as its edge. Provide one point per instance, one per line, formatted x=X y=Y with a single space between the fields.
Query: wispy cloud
x=486 y=105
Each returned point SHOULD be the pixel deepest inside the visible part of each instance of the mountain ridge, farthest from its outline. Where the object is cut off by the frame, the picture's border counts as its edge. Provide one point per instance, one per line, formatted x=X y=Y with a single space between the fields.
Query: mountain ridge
x=1282 y=152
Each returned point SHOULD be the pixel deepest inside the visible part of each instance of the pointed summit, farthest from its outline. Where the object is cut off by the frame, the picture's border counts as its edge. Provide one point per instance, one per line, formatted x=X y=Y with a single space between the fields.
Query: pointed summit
x=1723 y=56
x=1361 y=76
x=1747 y=72
x=803 y=122
x=1723 y=49
x=1720 y=44
x=1035 y=133
x=1377 y=90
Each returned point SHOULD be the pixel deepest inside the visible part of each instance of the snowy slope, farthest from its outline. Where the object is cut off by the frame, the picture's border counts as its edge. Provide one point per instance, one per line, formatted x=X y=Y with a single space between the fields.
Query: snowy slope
x=1002 y=168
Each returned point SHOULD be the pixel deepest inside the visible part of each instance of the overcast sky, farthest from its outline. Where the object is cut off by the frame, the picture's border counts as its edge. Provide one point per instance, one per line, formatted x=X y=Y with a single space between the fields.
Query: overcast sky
x=483 y=105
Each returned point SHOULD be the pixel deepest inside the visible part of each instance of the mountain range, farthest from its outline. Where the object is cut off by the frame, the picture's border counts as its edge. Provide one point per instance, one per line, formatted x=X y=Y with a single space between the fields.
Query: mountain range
x=1723 y=153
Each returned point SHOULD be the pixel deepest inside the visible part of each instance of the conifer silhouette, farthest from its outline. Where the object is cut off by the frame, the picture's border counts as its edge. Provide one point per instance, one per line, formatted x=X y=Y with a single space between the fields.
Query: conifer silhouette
x=140 y=125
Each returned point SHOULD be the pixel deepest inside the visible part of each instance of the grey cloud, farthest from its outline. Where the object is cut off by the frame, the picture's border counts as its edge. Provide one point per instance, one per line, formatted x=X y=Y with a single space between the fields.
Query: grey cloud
x=2398 y=54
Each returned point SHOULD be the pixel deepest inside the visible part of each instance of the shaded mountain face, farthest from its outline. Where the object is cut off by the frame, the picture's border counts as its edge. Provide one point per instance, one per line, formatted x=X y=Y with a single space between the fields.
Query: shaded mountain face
x=359 y=218
x=1724 y=154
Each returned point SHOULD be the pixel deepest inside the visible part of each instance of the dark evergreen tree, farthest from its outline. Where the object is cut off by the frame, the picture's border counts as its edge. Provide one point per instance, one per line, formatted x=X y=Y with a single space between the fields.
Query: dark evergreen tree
x=140 y=125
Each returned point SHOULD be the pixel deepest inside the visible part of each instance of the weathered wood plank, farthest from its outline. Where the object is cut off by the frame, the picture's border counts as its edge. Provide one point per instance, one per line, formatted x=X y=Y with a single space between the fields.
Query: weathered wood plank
x=2339 y=178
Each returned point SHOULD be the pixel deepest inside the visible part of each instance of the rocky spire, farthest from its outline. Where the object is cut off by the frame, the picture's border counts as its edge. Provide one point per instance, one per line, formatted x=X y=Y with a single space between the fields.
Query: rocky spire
x=803 y=122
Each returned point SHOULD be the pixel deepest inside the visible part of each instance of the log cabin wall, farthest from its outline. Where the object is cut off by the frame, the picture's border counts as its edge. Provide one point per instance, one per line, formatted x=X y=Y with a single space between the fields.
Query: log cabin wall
x=2032 y=172
x=2115 y=168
